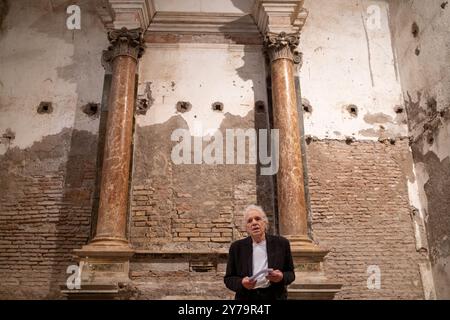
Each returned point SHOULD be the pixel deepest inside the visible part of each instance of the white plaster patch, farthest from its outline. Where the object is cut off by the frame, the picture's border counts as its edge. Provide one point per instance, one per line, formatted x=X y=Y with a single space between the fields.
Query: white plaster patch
x=201 y=74
x=31 y=62
x=427 y=281
x=416 y=192
x=337 y=70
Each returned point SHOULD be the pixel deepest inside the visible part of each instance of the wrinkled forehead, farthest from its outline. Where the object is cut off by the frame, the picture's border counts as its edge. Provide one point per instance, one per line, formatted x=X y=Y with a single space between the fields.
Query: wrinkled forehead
x=252 y=214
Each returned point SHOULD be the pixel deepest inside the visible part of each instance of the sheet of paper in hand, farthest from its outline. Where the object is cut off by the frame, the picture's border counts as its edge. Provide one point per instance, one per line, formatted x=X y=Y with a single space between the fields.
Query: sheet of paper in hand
x=263 y=271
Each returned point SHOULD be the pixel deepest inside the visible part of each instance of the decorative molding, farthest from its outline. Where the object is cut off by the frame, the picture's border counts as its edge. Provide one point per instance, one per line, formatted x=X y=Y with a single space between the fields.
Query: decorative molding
x=273 y=16
x=200 y=23
x=130 y=14
x=276 y=16
x=124 y=42
x=283 y=46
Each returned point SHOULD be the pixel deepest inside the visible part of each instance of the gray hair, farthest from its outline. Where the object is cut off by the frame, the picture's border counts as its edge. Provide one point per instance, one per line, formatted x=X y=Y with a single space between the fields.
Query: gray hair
x=253 y=207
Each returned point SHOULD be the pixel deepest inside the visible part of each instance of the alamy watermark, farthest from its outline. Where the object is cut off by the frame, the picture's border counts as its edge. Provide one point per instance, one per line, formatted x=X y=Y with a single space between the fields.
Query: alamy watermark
x=73 y=22
x=74 y=280
x=373 y=20
x=374 y=277
x=192 y=149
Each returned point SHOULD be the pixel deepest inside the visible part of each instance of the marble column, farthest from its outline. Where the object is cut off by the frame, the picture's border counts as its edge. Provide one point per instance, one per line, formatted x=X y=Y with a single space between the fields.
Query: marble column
x=123 y=54
x=311 y=281
x=104 y=263
x=292 y=209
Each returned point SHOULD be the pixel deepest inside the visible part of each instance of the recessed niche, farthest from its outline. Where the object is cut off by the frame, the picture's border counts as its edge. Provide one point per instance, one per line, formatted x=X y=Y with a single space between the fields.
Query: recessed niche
x=183 y=106
x=45 y=107
x=352 y=110
x=399 y=109
x=260 y=106
x=217 y=106
x=307 y=108
x=142 y=106
x=91 y=109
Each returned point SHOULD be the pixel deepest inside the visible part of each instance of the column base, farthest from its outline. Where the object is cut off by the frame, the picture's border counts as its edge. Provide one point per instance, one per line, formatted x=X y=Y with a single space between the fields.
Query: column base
x=311 y=281
x=104 y=267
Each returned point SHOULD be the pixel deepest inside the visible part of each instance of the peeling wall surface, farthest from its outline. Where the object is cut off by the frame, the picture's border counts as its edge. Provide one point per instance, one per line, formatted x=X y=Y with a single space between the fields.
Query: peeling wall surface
x=47 y=158
x=377 y=198
x=348 y=61
x=199 y=205
x=422 y=45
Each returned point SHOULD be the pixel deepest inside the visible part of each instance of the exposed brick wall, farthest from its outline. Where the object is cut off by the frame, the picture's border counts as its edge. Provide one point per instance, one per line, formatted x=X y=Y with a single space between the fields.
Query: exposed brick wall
x=44 y=212
x=190 y=207
x=361 y=213
x=358 y=195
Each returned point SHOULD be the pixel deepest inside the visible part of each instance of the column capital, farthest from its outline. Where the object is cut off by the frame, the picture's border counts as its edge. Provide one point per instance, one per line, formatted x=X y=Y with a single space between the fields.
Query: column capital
x=124 y=42
x=283 y=46
x=277 y=16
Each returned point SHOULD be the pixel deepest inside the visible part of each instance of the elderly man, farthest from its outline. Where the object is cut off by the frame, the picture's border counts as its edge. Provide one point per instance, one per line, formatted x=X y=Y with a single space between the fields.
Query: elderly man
x=259 y=253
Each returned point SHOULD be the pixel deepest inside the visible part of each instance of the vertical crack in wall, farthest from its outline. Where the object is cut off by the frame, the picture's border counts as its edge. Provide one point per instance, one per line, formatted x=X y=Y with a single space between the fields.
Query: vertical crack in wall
x=369 y=55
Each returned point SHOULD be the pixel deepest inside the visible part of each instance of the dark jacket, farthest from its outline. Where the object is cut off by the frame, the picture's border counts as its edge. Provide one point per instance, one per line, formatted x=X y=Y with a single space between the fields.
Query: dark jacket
x=240 y=265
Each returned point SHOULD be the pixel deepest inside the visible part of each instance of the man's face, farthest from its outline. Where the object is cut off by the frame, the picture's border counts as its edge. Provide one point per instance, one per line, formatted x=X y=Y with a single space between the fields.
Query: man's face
x=255 y=224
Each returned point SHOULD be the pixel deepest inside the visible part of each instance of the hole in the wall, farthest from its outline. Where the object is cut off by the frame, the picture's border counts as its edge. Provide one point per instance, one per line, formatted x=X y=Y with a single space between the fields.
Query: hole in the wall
x=183 y=106
x=444 y=4
x=217 y=106
x=415 y=30
x=91 y=109
x=142 y=106
x=352 y=110
x=45 y=107
x=349 y=140
x=260 y=106
x=306 y=106
x=309 y=139
x=399 y=109
x=417 y=51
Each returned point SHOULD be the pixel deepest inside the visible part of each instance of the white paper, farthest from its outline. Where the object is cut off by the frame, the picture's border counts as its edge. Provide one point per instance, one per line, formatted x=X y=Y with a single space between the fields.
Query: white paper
x=253 y=277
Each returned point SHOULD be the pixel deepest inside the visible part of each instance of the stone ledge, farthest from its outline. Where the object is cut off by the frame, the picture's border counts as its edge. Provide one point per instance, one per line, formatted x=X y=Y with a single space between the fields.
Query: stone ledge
x=180 y=253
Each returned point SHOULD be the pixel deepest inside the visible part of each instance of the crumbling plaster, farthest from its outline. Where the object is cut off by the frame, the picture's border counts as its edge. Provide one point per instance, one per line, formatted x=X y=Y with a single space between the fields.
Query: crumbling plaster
x=420 y=39
x=41 y=60
x=204 y=74
x=347 y=61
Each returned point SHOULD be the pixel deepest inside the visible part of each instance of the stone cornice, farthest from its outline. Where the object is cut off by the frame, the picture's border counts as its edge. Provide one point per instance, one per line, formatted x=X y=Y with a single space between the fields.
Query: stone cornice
x=130 y=14
x=276 y=16
x=201 y=22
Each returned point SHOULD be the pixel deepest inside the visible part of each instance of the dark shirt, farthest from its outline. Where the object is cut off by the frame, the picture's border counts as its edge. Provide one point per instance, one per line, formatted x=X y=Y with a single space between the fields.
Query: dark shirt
x=240 y=265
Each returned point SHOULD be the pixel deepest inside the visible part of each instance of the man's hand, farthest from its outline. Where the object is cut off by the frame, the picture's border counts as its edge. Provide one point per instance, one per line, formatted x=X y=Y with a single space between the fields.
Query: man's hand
x=248 y=284
x=275 y=276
